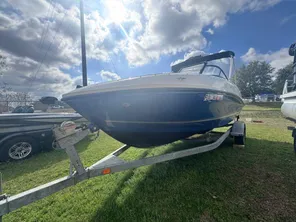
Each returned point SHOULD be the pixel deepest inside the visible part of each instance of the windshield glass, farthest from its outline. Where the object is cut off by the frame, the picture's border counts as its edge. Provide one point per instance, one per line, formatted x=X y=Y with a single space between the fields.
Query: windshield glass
x=219 y=67
x=195 y=68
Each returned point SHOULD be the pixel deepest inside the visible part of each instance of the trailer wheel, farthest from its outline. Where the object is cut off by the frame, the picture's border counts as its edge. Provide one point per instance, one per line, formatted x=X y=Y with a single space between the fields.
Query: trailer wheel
x=55 y=145
x=18 y=148
x=240 y=141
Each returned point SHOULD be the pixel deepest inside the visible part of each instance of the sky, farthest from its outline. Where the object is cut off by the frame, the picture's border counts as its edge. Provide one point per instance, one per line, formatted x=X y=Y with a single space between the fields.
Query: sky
x=40 y=39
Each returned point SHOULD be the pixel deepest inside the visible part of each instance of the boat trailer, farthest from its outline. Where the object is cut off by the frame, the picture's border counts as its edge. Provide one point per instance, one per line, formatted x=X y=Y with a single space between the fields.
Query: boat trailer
x=67 y=136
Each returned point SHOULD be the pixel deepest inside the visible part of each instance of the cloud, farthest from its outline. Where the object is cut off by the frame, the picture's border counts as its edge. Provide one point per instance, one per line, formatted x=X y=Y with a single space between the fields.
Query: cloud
x=5 y=21
x=36 y=8
x=108 y=76
x=210 y=31
x=174 y=26
x=42 y=46
x=45 y=35
x=78 y=81
x=49 y=81
x=287 y=19
x=260 y=4
x=189 y=55
x=278 y=59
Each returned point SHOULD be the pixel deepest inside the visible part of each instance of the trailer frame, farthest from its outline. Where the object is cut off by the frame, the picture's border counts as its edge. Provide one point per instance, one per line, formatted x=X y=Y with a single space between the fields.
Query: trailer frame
x=107 y=165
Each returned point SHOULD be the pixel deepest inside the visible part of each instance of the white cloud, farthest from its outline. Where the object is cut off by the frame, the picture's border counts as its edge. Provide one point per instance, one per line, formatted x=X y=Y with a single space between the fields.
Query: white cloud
x=174 y=26
x=189 y=55
x=38 y=8
x=277 y=59
x=49 y=44
x=260 y=4
x=78 y=81
x=108 y=76
x=5 y=21
x=210 y=31
x=49 y=81
x=48 y=32
x=287 y=19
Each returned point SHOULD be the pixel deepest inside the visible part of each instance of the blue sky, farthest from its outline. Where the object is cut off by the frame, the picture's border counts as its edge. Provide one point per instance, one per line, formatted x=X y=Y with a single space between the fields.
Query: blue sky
x=263 y=30
x=41 y=39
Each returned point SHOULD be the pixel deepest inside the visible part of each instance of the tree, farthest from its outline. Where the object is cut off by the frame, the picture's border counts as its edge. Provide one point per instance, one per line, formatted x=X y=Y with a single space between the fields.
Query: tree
x=281 y=76
x=254 y=78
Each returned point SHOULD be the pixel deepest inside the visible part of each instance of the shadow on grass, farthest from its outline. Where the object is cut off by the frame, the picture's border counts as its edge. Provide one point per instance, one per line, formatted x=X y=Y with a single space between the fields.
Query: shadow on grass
x=42 y=160
x=255 y=183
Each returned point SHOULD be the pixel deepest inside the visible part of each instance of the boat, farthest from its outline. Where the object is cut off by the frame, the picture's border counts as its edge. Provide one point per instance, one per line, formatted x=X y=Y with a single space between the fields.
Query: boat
x=147 y=111
x=22 y=134
x=23 y=122
x=288 y=97
x=23 y=119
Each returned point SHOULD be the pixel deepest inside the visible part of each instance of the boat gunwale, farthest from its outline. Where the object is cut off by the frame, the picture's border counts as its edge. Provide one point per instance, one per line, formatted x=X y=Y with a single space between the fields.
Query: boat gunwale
x=204 y=90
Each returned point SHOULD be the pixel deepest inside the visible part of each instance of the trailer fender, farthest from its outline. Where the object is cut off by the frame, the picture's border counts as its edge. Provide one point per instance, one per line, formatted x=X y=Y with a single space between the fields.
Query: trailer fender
x=238 y=129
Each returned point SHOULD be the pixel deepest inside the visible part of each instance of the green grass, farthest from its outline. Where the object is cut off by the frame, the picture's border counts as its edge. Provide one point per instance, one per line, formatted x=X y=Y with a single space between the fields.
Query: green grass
x=252 y=184
x=261 y=106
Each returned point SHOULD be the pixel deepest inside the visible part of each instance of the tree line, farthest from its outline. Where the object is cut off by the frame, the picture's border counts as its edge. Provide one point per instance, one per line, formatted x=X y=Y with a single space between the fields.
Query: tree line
x=259 y=77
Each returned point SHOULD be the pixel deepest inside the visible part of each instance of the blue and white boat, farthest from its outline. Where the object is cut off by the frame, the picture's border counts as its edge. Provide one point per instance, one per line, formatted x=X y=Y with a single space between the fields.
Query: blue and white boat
x=146 y=111
x=289 y=91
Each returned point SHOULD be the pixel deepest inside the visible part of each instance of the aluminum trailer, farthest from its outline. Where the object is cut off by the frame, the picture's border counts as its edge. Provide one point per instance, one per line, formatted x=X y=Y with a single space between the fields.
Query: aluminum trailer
x=109 y=164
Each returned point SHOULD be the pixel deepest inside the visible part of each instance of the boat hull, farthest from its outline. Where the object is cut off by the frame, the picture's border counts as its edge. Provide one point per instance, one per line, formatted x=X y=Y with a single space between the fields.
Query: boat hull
x=26 y=122
x=288 y=107
x=152 y=117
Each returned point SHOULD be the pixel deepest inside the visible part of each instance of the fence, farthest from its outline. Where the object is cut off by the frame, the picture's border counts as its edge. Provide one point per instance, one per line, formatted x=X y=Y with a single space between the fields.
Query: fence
x=10 y=105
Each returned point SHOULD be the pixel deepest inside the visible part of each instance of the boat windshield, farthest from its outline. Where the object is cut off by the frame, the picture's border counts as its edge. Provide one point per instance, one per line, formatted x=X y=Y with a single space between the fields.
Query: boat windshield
x=195 y=68
x=219 y=67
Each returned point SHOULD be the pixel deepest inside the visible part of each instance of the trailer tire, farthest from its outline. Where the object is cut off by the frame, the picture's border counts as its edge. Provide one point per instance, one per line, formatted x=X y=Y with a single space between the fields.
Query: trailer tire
x=55 y=145
x=239 y=141
x=18 y=148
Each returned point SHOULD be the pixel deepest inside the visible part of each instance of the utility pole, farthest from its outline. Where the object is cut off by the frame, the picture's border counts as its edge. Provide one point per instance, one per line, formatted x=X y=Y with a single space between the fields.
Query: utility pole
x=83 y=53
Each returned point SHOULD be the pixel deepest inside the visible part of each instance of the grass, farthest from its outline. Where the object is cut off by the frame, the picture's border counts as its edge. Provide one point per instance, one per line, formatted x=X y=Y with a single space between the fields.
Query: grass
x=261 y=106
x=252 y=184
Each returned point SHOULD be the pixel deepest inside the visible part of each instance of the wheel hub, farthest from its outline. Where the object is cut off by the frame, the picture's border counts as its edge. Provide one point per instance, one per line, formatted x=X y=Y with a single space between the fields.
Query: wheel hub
x=20 y=150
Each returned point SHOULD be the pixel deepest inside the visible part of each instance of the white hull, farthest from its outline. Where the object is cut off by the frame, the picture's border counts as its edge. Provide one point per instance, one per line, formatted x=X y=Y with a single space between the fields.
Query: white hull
x=289 y=105
x=168 y=80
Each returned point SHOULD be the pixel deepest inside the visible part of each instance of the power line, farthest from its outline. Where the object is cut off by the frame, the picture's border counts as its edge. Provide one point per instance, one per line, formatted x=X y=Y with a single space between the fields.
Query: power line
x=42 y=39
x=113 y=65
x=62 y=41
x=46 y=52
x=50 y=46
x=43 y=30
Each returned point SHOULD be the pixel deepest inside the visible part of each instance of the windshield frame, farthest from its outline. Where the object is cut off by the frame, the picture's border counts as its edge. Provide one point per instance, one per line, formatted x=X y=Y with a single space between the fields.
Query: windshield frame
x=205 y=65
x=196 y=60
